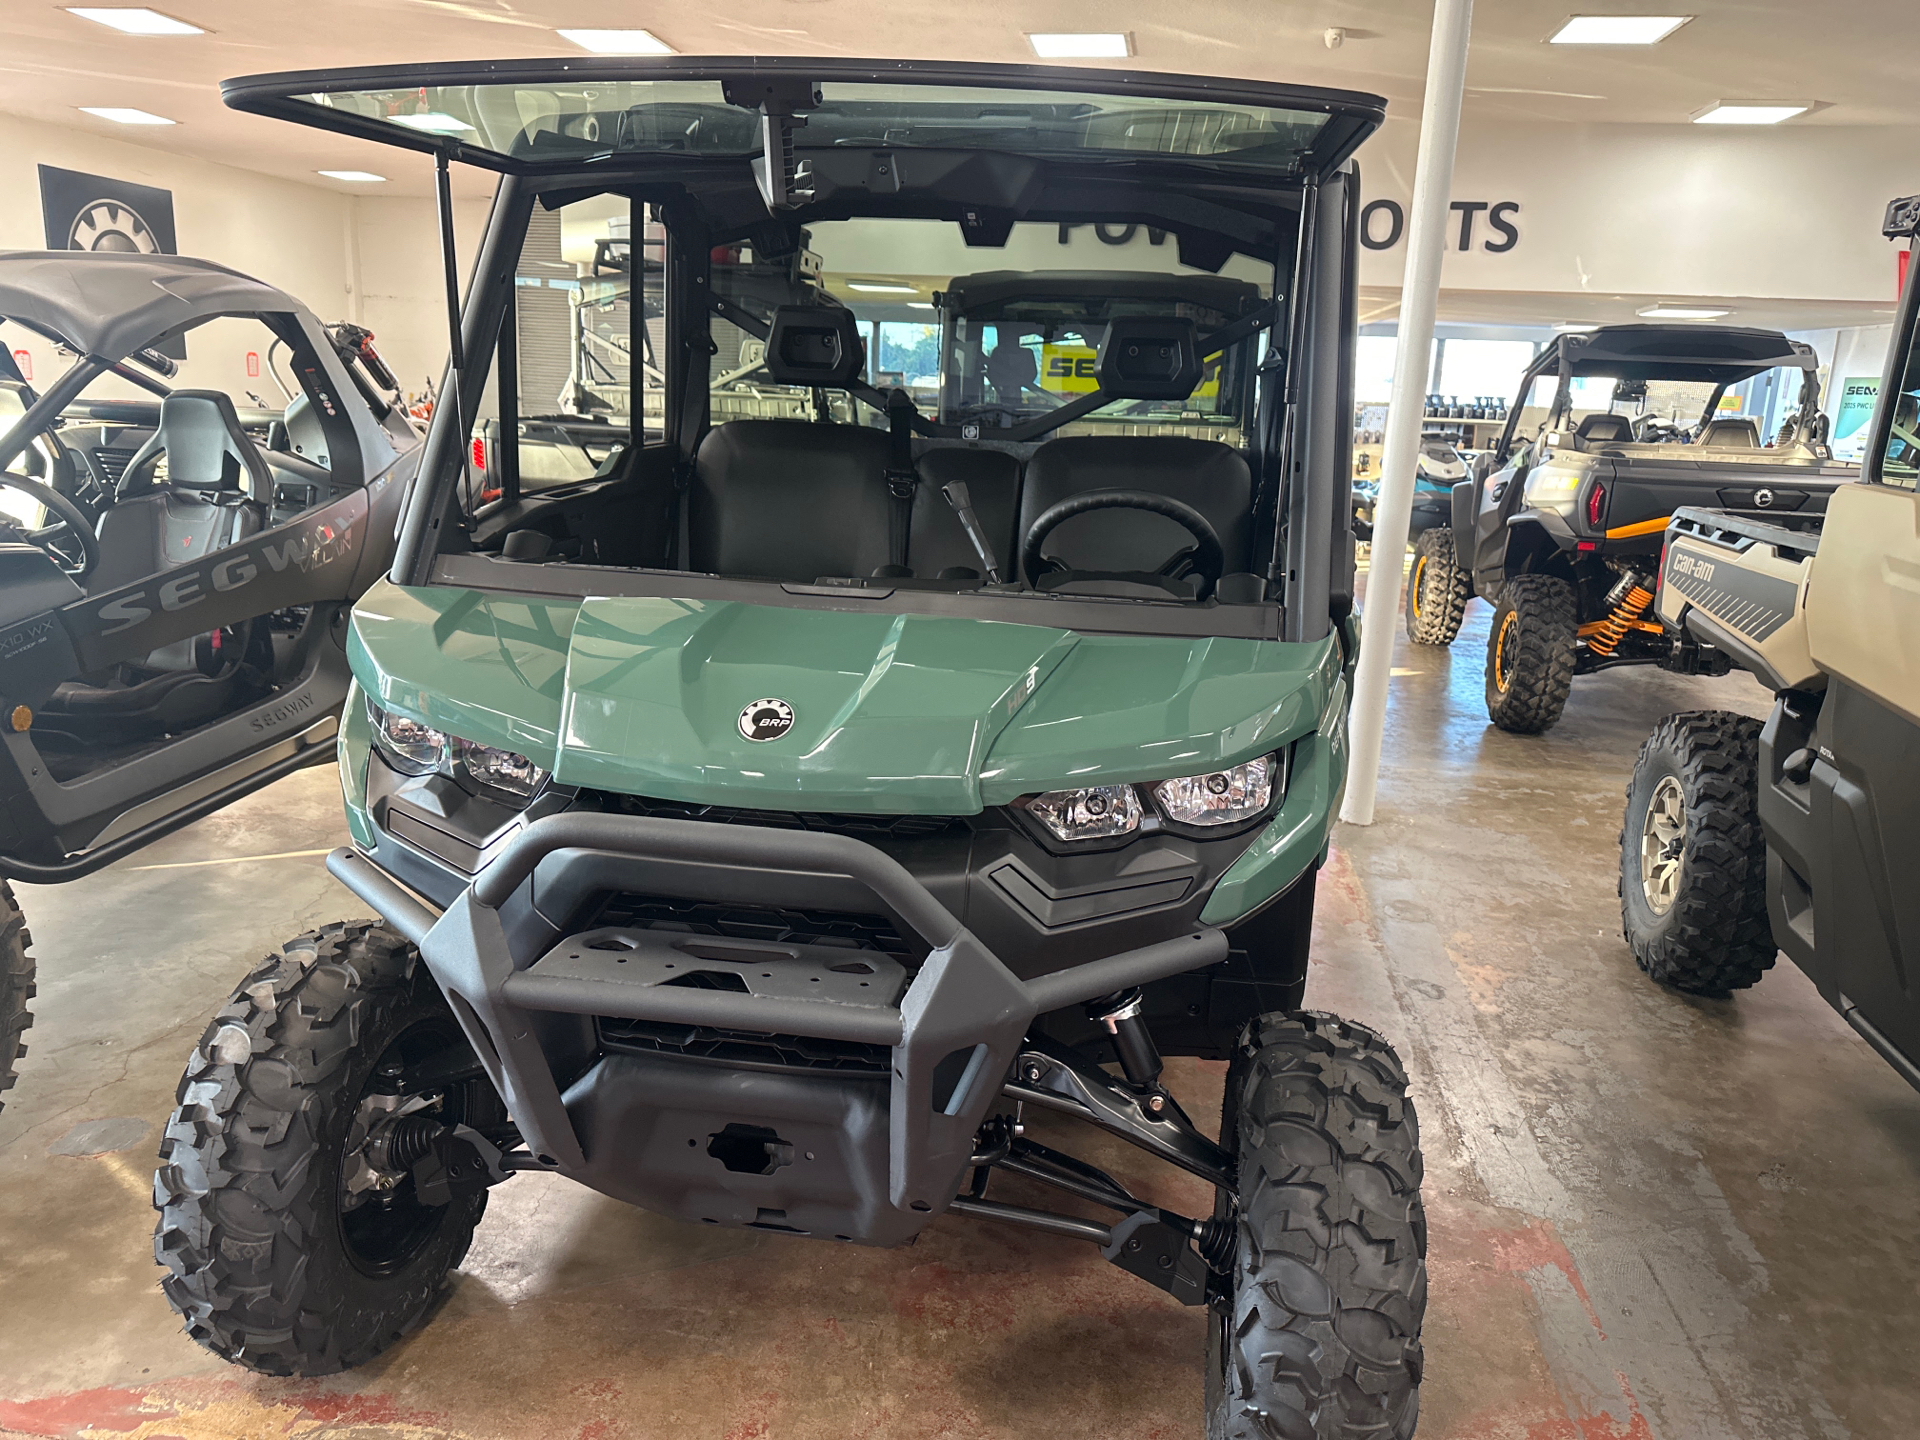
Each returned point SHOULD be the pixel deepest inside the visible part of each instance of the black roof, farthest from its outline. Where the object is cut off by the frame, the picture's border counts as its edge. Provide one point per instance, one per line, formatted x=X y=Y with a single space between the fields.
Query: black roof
x=111 y=303
x=1721 y=354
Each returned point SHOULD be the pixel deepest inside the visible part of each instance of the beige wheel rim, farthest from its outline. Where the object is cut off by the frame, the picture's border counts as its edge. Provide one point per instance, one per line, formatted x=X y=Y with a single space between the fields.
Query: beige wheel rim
x=1501 y=678
x=1663 y=836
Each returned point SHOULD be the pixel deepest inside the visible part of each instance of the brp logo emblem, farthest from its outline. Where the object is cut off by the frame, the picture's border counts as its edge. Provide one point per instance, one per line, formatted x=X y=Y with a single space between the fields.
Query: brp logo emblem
x=766 y=720
x=1763 y=498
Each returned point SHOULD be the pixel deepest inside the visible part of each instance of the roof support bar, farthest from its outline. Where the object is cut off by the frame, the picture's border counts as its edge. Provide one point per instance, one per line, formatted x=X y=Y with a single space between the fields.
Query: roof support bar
x=456 y=356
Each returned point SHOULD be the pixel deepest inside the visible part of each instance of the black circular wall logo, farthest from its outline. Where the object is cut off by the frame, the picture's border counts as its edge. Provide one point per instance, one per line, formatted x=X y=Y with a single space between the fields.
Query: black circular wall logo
x=112 y=225
x=766 y=719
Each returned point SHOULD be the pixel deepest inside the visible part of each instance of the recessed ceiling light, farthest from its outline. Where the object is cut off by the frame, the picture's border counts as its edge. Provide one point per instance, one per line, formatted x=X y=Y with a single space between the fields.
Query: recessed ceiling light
x=135 y=20
x=1750 y=112
x=358 y=177
x=120 y=115
x=617 y=42
x=433 y=122
x=1617 y=29
x=874 y=287
x=1081 y=47
x=1679 y=312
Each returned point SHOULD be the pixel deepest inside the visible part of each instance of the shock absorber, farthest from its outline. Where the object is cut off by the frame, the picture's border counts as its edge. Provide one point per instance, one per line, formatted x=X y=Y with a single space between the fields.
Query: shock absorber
x=1120 y=1016
x=1626 y=603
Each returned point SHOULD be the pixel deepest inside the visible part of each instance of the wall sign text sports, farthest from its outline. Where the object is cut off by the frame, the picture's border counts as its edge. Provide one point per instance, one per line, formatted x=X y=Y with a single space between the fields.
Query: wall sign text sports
x=1383 y=224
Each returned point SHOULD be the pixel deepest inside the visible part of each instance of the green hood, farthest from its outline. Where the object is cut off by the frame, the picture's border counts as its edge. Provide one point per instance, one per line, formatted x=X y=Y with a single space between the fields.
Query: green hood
x=898 y=714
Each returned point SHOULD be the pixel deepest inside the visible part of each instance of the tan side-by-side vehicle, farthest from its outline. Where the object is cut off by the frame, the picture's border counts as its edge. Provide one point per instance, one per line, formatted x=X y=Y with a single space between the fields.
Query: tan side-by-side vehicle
x=1742 y=839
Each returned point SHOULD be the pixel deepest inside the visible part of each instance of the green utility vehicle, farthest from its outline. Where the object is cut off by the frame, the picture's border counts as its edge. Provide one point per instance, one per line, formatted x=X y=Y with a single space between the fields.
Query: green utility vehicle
x=767 y=826
x=1559 y=529
x=1743 y=839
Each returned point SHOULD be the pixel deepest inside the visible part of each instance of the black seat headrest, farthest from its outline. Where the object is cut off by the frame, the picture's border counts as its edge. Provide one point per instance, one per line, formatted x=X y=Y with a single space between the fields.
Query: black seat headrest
x=1148 y=357
x=814 y=345
x=1603 y=429
x=205 y=446
x=1011 y=368
x=1735 y=433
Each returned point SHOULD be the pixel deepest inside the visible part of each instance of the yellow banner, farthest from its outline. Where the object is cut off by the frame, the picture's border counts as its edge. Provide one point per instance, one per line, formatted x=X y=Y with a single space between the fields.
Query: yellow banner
x=1068 y=370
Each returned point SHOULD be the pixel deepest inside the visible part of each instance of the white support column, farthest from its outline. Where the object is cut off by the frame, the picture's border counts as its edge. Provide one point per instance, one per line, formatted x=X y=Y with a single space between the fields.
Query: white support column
x=1419 y=301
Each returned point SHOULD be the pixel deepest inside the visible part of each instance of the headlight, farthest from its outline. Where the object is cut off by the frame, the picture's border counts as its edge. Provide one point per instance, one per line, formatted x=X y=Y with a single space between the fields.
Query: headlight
x=1222 y=798
x=416 y=749
x=1092 y=814
x=413 y=748
x=501 y=769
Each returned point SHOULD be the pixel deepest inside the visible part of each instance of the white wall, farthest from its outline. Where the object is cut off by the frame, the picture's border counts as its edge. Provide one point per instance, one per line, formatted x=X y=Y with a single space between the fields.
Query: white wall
x=1681 y=210
x=398 y=292
x=359 y=257
x=293 y=236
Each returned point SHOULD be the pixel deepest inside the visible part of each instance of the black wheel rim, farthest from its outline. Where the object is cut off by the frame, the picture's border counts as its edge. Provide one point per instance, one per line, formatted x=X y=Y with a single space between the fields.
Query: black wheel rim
x=382 y=1234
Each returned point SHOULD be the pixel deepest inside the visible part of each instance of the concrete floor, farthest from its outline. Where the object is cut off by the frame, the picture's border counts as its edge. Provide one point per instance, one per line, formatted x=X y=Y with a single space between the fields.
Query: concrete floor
x=1653 y=1218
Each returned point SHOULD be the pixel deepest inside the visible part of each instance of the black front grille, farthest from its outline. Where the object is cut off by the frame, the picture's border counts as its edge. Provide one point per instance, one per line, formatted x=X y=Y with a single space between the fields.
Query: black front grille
x=862 y=827
x=773 y=924
x=740 y=1047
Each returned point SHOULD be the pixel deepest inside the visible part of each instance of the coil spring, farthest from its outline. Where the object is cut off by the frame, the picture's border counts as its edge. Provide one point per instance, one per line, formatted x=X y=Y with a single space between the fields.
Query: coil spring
x=1614 y=628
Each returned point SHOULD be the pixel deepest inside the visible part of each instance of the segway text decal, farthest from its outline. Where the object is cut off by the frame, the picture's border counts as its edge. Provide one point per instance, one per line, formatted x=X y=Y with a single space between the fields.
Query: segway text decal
x=315 y=549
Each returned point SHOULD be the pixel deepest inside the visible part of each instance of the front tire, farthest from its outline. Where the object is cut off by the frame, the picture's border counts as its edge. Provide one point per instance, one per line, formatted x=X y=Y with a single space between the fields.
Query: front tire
x=272 y=1262
x=16 y=984
x=1693 y=860
x=1319 y=1338
x=1530 y=653
x=1437 y=590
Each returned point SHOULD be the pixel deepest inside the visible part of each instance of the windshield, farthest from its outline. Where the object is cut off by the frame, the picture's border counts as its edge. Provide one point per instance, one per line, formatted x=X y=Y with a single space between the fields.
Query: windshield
x=581 y=118
x=1770 y=409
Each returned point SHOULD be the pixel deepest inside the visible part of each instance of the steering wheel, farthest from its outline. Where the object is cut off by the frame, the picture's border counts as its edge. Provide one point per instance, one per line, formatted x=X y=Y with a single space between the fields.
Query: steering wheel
x=1206 y=559
x=68 y=518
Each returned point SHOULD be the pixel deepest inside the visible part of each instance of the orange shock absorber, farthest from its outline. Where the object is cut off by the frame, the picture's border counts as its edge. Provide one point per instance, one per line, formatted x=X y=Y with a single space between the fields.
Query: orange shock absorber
x=1630 y=599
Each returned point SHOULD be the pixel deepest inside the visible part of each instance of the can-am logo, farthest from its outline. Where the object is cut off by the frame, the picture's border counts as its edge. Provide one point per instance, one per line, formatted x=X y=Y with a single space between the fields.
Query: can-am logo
x=766 y=719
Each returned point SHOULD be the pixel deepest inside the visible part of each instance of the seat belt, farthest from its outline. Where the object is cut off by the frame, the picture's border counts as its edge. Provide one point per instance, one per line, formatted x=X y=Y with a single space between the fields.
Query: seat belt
x=902 y=478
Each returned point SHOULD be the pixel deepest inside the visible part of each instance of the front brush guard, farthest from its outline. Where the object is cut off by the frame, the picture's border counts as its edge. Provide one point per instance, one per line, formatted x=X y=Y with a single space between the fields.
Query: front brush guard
x=493 y=951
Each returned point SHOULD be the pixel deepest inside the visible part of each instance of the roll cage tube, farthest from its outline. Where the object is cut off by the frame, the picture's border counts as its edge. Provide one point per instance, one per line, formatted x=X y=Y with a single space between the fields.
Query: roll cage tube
x=55 y=398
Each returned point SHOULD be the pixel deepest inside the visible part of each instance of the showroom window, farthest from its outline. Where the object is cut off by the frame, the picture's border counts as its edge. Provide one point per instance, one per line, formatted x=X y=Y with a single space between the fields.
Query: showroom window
x=1483 y=367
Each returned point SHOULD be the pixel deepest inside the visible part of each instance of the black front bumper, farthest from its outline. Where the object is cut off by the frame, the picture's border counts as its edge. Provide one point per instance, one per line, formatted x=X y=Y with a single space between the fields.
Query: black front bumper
x=862 y=1153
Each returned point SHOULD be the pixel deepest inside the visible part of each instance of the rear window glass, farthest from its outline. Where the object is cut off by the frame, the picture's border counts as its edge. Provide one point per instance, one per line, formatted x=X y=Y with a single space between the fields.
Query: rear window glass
x=992 y=347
